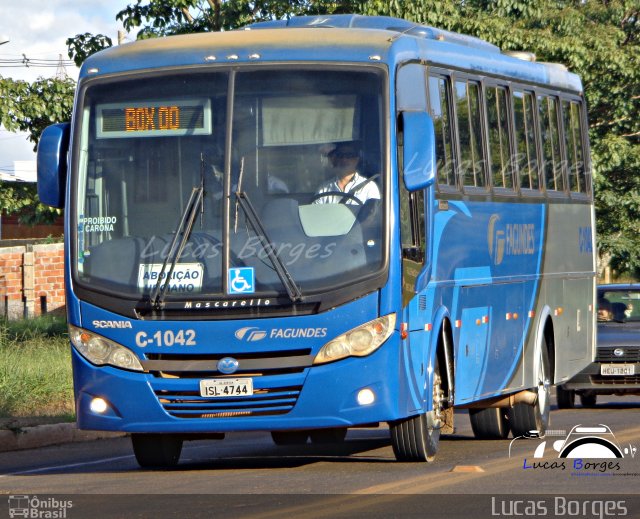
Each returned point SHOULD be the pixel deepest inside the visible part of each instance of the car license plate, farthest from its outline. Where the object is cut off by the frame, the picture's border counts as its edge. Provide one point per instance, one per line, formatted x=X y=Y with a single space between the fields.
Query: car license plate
x=617 y=369
x=226 y=387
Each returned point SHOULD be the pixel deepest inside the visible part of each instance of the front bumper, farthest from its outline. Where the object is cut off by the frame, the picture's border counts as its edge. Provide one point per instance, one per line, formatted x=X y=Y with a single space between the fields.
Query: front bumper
x=316 y=397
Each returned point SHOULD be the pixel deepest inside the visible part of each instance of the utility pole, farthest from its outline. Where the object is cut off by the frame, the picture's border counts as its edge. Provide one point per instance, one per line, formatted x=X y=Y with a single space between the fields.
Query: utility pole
x=61 y=71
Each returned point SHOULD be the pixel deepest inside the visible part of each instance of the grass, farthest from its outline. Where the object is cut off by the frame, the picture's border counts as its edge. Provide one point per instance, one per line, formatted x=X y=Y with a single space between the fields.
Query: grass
x=35 y=372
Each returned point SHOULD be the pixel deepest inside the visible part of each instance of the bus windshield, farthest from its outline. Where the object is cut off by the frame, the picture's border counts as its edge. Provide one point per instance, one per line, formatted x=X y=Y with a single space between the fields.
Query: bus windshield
x=172 y=168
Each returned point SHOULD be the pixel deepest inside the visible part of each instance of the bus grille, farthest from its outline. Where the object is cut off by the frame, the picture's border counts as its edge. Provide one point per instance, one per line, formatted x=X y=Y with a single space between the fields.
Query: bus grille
x=264 y=402
x=277 y=376
x=205 y=365
x=631 y=354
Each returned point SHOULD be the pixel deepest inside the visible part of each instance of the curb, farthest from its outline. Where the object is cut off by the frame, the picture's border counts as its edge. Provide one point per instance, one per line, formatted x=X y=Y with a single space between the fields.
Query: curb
x=51 y=434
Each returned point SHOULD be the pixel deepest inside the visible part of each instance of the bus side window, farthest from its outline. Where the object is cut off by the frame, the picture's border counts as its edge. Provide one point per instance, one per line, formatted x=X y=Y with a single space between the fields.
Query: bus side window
x=439 y=109
x=498 y=130
x=527 y=157
x=573 y=146
x=470 y=133
x=550 y=138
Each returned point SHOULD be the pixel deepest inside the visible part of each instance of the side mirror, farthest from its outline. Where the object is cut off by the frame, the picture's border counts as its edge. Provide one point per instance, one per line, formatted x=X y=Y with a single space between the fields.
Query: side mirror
x=419 y=150
x=52 y=164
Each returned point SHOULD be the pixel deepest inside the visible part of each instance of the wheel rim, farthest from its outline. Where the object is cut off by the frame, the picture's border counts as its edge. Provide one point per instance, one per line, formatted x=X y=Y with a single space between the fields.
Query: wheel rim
x=438 y=401
x=543 y=387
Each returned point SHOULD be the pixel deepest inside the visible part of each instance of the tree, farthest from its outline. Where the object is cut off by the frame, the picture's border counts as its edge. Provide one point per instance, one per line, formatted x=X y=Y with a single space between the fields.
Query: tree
x=600 y=41
x=31 y=107
x=167 y=17
x=81 y=46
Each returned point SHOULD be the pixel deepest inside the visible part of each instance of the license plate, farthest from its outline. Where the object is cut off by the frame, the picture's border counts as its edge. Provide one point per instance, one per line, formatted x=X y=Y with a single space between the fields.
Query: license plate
x=617 y=369
x=226 y=387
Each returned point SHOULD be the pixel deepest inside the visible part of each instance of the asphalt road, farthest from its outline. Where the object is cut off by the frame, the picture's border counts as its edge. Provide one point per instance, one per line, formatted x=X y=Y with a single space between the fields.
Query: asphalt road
x=246 y=475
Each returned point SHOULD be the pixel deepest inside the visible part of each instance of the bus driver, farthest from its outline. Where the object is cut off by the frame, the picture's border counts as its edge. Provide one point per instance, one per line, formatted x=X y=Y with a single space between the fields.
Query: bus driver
x=344 y=159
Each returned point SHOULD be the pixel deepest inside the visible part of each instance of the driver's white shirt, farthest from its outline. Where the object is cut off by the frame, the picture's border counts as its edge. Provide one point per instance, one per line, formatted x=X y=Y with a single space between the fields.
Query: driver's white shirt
x=366 y=191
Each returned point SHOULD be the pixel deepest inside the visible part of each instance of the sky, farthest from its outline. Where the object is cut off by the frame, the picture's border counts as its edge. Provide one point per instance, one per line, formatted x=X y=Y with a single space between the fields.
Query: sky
x=38 y=30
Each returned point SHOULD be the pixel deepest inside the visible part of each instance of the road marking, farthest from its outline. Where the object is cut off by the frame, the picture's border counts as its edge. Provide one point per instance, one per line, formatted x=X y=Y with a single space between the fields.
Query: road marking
x=393 y=492
x=62 y=467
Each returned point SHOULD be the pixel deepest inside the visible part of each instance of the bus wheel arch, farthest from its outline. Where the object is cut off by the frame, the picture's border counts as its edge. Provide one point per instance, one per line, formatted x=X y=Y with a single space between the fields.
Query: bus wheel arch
x=417 y=438
x=444 y=351
x=525 y=417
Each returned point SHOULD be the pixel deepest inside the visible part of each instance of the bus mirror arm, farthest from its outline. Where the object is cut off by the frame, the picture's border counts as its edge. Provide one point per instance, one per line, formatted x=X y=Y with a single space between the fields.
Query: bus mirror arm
x=418 y=150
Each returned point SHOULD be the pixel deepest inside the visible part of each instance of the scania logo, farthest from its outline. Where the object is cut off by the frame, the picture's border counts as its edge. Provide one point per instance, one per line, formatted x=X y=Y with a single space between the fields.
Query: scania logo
x=618 y=352
x=250 y=334
x=111 y=324
x=228 y=365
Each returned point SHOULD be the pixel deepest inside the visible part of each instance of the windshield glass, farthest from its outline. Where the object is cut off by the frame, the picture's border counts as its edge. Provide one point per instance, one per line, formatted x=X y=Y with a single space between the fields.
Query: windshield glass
x=619 y=306
x=159 y=160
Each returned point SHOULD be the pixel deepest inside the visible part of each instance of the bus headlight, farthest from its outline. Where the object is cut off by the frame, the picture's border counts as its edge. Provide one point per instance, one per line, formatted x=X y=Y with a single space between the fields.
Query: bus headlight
x=101 y=351
x=359 y=342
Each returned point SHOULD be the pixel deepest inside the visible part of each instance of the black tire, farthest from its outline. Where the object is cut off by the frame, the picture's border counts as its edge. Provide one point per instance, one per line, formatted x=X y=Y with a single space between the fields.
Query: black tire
x=525 y=418
x=328 y=436
x=156 y=450
x=588 y=399
x=289 y=437
x=490 y=423
x=417 y=438
x=565 y=398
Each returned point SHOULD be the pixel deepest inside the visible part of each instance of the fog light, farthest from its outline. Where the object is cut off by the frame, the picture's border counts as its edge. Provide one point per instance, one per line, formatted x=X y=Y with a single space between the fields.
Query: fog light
x=98 y=405
x=366 y=397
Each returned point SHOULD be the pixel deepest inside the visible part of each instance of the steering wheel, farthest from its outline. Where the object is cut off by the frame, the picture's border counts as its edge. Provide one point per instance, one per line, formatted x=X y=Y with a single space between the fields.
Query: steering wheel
x=348 y=196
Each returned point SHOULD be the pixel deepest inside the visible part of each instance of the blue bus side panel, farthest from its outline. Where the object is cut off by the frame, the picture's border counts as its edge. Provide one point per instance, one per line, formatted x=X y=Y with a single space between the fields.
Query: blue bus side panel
x=487 y=259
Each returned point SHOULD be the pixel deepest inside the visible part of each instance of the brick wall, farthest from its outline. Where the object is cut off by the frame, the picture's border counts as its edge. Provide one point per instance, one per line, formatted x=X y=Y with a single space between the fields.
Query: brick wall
x=31 y=280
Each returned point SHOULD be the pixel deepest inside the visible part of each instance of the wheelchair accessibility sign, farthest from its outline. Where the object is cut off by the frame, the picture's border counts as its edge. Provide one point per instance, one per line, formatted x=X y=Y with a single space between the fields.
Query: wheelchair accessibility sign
x=242 y=280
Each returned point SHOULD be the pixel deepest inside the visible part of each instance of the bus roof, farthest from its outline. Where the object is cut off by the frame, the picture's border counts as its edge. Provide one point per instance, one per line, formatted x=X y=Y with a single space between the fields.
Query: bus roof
x=335 y=38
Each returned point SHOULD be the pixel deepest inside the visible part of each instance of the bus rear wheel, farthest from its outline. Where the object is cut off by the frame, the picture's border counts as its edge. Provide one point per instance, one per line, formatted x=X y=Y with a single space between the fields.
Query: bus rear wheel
x=417 y=438
x=565 y=398
x=524 y=417
x=490 y=423
x=156 y=450
x=588 y=399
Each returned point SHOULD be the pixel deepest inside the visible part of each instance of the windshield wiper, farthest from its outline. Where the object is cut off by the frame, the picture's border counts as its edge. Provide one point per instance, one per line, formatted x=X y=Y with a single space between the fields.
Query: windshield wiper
x=182 y=232
x=293 y=290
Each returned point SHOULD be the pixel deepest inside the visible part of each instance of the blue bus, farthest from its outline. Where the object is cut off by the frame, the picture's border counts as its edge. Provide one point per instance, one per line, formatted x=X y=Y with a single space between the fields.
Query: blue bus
x=322 y=223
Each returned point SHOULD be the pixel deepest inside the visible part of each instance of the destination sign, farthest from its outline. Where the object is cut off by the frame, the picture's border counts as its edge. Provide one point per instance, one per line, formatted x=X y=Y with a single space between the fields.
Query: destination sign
x=162 y=118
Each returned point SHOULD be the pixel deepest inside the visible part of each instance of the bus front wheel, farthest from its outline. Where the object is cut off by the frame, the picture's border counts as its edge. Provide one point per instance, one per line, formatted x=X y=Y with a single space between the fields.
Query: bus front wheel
x=282 y=438
x=417 y=438
x=156 y=450
x=328 y=436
